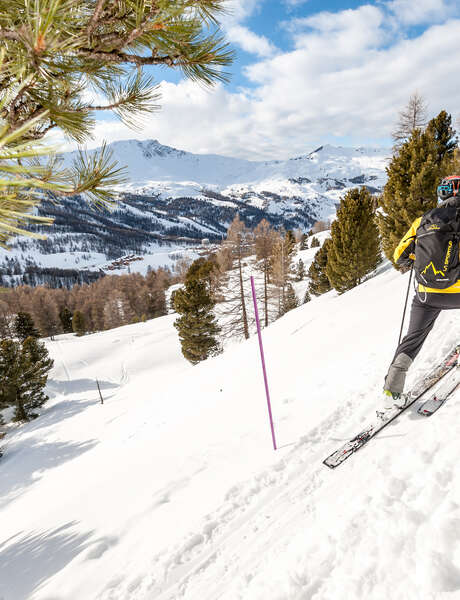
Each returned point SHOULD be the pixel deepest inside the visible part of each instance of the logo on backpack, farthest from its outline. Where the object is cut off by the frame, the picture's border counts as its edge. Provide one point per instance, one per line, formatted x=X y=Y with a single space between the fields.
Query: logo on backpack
x=435 y=271
x=449 y=250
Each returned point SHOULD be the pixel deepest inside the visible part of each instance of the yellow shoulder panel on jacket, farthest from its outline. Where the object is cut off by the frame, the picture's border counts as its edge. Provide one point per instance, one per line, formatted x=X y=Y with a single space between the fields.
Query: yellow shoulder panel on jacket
x=407 y=240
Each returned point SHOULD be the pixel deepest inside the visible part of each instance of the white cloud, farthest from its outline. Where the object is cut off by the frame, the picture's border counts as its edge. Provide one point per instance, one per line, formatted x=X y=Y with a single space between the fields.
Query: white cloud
x=236 y=33
x=249 y=41
x=418 y=12
x=239 y=10
x=345 y=78
x=293 y=3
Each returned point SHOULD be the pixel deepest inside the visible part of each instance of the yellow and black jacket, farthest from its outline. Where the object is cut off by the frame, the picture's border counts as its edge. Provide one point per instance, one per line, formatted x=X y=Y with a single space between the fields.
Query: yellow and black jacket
x=405 y=253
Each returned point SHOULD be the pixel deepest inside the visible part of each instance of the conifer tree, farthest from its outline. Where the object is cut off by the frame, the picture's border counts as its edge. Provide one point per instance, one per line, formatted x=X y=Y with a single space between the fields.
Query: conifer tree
x=413 y=176
x=65 y=317
x=24 y=372
x=444 y=135
x=307 y=297
x=315 y=243
x=55 y=52
x=319 y=282
x=24 y=326
x=290 y=300
x=37 y=364
x=197 y=326
x=78 y=323
x=207 y=270
x=355 y=247
x=304 y=242
x=300 y=271
x=6 y=321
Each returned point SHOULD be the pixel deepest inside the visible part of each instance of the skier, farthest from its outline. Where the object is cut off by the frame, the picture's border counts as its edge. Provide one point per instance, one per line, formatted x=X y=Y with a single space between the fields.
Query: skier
x=433 y=242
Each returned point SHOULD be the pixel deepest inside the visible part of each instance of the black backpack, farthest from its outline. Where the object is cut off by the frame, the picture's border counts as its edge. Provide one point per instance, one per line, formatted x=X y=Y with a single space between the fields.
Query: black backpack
x=437 y=263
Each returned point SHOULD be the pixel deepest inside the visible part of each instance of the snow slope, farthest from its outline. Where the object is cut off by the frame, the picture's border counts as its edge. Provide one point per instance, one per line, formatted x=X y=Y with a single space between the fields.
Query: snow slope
x=171 y=489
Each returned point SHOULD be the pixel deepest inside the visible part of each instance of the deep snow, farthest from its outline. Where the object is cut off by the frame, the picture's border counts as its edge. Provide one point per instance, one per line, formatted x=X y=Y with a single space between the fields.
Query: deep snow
x=171 y=489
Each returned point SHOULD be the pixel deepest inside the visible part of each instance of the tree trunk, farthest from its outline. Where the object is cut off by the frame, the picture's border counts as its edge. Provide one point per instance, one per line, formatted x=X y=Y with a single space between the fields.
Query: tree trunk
x=20 y=410
x=243 y=303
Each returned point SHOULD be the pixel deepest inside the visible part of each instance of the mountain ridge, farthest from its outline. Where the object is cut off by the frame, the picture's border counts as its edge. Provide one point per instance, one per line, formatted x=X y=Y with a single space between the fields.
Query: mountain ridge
x=176 y=198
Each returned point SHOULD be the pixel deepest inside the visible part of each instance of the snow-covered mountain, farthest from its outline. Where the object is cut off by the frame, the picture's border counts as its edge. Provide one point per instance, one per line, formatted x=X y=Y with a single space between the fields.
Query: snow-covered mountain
x=171 y=490
x=156 y=169
x=174 y=198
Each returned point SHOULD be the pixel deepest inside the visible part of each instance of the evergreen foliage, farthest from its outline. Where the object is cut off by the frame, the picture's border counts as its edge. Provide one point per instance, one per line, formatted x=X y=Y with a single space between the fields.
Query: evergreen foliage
x=6 y=321
x=444 y=135
x=65 y=317
x=300 y=271
x=413 y=177
x=304 y=242
x=315 y=243
x=197 y=326
x=200 y=269
x=24 y=371
x=56 y=51
x=24 y=326
x=307 y=297
x=355 y=248
x=78 y=323
x=319 y=282
x=290 y=300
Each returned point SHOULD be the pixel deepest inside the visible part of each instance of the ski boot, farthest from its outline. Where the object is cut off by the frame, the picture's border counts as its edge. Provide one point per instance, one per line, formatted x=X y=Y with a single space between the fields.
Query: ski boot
x=390 y=401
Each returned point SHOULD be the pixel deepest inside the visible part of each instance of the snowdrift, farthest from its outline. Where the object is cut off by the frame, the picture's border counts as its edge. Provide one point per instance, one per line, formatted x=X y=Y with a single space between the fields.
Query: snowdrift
x=171 y=490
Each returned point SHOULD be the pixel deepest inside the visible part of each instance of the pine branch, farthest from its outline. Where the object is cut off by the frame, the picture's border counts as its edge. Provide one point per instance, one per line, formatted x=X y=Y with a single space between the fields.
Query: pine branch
x=93 y=175
x=130 y=100
x=95 y=18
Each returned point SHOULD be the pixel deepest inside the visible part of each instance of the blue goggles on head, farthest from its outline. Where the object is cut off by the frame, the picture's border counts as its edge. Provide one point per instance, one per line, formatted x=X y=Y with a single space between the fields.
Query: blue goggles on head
x=448 y=188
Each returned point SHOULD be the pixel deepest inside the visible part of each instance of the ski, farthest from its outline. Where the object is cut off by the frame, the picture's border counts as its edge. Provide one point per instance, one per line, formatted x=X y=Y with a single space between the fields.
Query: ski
x=437 y=399
x=427 y=382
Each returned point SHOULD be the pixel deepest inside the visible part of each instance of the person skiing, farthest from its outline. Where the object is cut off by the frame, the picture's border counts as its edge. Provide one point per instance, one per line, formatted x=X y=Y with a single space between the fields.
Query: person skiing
x=432 y=248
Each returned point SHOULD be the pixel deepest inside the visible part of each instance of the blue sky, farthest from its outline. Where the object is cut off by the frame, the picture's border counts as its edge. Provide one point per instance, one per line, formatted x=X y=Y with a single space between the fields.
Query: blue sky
x=310 y=72
x=269 y=20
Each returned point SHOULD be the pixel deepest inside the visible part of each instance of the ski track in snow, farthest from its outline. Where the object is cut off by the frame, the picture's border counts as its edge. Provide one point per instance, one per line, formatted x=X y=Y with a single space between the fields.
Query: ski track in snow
x=262 y=513
x=253 y=516
x=132 y=500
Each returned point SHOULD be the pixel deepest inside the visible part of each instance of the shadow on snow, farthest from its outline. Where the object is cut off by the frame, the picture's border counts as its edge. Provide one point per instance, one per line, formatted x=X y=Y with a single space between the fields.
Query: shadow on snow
x=29 y=561
x=28 y=461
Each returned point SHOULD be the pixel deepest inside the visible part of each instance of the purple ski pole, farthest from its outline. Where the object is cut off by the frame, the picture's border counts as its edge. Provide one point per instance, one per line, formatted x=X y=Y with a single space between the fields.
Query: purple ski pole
x=259 y=333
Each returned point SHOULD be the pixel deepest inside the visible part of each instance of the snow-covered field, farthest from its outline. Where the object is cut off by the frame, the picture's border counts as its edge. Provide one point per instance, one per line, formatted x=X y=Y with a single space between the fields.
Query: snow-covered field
x=171 y=489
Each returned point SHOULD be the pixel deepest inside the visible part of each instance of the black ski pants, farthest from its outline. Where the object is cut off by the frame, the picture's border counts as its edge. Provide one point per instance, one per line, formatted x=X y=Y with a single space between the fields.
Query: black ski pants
x=422 y=318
